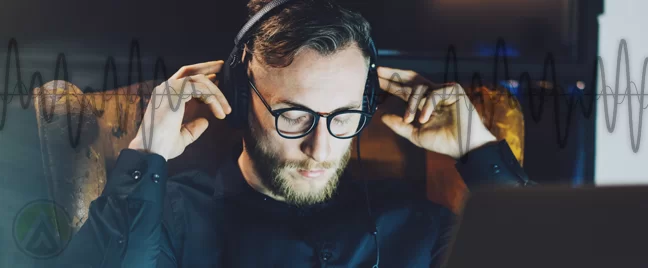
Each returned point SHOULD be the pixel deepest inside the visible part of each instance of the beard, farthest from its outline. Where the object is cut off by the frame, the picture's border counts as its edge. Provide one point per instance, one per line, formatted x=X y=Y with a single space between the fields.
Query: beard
x=273 y=172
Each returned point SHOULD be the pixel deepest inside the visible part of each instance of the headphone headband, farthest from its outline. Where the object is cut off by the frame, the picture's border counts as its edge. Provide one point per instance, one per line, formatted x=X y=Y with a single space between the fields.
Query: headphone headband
x=248 y=25
x=257 y=17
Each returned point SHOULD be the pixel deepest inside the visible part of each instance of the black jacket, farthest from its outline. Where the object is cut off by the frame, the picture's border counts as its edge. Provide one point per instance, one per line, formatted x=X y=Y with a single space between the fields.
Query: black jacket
x=144 y=219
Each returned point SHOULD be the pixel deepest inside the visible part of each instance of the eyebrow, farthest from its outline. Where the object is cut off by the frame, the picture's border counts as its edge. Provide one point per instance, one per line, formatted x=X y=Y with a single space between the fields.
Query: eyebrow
x=295 y=104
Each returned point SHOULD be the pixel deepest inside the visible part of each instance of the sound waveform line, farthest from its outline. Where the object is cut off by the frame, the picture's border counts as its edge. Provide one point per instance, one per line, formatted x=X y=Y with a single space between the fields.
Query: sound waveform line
x=525 y=80
x=61 y=64
x=536 y=114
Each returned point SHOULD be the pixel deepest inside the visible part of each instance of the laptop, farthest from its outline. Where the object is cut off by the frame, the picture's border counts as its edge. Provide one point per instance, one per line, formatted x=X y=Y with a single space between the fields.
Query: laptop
x=552 y=227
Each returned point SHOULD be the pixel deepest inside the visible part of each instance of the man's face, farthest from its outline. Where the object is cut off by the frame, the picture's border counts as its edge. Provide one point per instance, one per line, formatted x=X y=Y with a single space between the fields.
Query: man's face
x=306 y=170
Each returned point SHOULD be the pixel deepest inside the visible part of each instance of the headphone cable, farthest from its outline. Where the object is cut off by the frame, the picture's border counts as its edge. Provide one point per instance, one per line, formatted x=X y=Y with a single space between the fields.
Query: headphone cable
x=374 y=232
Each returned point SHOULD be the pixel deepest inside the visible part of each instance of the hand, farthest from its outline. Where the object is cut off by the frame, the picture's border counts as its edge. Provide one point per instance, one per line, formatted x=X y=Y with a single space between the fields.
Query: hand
x=162 y=131
x=449 y=123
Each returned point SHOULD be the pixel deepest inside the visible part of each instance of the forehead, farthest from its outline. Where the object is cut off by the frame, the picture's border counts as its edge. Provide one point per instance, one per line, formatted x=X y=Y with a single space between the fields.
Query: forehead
x=322 y=83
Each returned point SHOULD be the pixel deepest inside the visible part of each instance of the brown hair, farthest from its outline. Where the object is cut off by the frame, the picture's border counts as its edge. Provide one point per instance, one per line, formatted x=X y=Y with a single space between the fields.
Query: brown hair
x=321 y=25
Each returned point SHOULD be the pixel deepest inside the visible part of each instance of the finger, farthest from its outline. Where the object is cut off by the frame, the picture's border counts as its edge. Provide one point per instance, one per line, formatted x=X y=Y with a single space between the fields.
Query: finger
x=443 y=97
x=396 y=75
x=191 y=131
x=396 y=124
x=214 y=98
x=427 y=108
x=210 y=67
x=413 y=103
x=447 y=95
x=402 y=88
x=407 y=78
x=399 y=90
x=213 y=78
x=172 y=92
x=215 y=92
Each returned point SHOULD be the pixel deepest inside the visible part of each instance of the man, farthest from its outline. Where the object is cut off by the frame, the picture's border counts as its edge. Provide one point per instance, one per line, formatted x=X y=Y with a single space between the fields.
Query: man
x=283 y=201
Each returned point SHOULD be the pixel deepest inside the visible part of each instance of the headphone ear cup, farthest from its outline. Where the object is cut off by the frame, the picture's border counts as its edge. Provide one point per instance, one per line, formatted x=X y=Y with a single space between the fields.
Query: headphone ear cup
x=227 y=85
x=370 y=97
x=366 y=98
x=243 y=96
x=235 y=93
x=366 y=104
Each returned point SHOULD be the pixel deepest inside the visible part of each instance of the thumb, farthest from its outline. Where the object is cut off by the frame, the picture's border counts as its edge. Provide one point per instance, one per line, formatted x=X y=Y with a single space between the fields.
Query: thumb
x=396 y=124
x=192 y=130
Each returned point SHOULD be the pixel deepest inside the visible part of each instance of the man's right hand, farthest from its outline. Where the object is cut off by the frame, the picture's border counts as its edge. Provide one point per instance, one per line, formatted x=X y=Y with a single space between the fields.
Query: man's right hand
x=162 y=131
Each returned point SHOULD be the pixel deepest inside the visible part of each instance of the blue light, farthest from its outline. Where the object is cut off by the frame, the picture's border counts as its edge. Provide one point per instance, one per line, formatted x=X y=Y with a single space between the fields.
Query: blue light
x=513 y=86
x=489 y=51
x=389 y=52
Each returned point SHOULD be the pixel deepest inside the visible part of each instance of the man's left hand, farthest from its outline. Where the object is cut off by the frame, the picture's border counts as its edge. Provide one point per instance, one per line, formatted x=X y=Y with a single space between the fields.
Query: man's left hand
x=448 y=122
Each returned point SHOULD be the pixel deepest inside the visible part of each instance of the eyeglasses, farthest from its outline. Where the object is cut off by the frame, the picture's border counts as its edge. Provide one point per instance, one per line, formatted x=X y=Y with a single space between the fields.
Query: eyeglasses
x=297 y=122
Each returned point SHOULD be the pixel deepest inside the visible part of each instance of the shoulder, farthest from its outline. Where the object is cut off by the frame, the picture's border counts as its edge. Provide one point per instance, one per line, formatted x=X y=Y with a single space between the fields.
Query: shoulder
x=194 y=182
x=189 y=205
x=184 y=192
x=199 y=185
x=188 y=195
x=193 y=191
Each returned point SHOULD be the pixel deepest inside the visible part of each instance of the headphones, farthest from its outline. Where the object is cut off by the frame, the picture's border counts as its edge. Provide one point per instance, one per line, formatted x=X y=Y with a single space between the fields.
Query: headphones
x=236 y=88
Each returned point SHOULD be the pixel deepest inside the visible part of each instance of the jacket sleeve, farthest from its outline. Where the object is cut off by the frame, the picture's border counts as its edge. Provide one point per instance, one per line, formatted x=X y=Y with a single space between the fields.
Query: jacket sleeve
x=492 y=165
x=124 y=226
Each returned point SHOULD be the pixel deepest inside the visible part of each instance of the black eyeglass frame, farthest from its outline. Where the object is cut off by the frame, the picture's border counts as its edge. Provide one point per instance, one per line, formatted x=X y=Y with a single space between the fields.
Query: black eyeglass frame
x=277 y=112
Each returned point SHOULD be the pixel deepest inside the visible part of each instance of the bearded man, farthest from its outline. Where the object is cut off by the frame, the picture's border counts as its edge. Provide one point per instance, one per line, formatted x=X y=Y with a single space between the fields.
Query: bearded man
x=283 y=201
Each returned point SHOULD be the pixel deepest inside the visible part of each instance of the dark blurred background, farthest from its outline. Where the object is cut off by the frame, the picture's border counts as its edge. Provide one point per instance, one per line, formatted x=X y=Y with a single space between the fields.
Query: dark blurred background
x=410 y=34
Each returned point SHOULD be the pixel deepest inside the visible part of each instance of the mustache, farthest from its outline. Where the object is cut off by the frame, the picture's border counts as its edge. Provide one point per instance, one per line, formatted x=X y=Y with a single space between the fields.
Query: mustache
x=309 y=164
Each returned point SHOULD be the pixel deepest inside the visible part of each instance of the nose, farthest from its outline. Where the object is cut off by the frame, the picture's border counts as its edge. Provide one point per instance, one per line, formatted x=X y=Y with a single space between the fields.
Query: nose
x=317 y=144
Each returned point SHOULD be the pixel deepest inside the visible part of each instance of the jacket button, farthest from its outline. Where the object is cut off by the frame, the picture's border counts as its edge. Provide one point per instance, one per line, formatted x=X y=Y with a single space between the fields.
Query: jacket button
x=326 y=255
x=156 y=178
x=496 y=169
x=136 y=174
x=121 y=239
